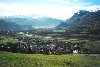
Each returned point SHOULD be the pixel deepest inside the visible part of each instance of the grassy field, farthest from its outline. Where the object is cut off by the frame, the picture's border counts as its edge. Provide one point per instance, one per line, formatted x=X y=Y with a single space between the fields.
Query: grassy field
x=10 y=40
x=40 y=60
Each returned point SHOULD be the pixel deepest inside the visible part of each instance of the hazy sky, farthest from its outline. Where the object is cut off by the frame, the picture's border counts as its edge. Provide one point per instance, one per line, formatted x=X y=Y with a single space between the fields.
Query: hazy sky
x=61 y=9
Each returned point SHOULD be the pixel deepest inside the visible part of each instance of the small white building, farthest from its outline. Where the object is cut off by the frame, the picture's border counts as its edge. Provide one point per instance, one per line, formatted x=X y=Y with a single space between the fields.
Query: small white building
x=28 y=35
x=21 y=33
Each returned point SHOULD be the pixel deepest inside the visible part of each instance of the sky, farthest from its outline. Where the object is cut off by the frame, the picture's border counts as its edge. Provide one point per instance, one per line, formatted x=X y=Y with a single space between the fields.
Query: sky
x=60 y=9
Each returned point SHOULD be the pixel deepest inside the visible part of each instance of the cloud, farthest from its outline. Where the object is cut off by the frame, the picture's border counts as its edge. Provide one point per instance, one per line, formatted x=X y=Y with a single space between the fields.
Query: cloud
x=61 y=12
x=93 y=8
x=56 y=11
x=70 y=2
x=75 y=0
x=61 y=1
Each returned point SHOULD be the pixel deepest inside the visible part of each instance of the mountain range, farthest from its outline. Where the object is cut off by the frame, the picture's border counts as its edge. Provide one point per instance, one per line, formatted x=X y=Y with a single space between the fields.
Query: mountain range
x=83 y=21
x=32 y=21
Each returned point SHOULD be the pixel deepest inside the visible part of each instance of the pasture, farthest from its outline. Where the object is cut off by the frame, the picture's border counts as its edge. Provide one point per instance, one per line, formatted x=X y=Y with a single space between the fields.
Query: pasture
x=8 y=59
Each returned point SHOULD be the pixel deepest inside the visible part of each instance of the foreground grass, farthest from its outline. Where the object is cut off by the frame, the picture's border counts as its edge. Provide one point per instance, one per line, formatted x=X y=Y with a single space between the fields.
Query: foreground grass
x=39 y=60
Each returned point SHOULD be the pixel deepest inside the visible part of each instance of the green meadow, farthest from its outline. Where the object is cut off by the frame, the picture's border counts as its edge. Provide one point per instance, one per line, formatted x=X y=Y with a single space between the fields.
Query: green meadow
x=8 y=59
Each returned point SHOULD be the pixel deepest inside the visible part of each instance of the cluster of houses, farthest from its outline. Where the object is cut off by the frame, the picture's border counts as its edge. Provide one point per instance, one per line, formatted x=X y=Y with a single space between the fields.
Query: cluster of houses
x=50 y=44
x=39 y=46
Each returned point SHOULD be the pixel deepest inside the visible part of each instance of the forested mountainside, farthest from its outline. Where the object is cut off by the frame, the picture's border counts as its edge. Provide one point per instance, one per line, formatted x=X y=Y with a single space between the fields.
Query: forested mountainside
x=9 y=25
x=83 y=21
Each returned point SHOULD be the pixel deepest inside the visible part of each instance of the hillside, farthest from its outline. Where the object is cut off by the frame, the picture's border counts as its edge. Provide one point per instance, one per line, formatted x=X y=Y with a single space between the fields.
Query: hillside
x=9 y=25
x=84 y=21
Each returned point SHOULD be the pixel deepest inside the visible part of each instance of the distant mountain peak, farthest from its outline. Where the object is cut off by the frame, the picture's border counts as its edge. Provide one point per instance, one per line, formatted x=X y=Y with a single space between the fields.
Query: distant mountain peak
x=33 y=19
x=35 y=16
